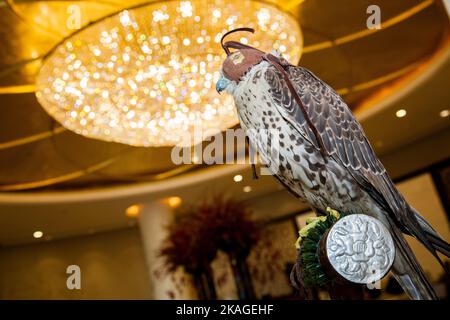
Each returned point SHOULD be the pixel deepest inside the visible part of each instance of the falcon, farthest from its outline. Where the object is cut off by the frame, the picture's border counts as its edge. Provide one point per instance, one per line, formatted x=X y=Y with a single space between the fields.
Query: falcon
x=321 y=152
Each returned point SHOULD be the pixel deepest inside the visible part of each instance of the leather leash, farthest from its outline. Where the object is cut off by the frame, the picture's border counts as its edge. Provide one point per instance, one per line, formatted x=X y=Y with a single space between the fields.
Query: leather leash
x=280 y=65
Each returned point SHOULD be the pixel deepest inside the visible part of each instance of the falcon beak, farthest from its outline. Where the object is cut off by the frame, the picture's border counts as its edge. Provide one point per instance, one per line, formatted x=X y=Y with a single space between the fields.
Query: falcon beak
x=222 y=84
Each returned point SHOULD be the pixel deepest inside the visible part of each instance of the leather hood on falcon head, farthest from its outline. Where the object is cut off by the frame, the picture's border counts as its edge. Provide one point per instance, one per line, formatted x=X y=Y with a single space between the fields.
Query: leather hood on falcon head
x=239 y=62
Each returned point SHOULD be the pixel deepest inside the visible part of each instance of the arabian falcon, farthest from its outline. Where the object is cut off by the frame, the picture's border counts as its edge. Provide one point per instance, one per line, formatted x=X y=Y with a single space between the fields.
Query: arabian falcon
x=323 y=156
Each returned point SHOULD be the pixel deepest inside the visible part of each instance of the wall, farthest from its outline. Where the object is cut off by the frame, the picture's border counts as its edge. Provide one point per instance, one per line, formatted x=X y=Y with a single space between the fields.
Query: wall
x=418 y=155
x=112 y=267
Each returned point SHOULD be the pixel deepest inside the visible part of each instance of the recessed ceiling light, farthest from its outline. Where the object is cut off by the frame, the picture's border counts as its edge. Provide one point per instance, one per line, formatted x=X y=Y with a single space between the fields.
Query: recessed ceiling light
x=247 y=189
x=133 y=211
x=237 y=178
x=444 y=113
x=195 y=159
x=38 y=234
x=174 y=202
x=400 y=113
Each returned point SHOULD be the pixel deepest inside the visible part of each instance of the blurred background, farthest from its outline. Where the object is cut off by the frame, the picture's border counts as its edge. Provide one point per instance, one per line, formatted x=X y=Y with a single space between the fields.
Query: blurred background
x=85 y=186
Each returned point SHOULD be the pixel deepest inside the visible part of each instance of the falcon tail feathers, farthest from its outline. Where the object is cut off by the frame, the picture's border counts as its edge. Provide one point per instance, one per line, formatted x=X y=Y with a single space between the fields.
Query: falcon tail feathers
x=408 y=272
x=439 y=244
x=433 y=237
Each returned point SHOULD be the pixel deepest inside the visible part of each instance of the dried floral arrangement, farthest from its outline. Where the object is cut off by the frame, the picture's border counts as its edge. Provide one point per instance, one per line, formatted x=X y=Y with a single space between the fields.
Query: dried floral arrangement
x=198 y=232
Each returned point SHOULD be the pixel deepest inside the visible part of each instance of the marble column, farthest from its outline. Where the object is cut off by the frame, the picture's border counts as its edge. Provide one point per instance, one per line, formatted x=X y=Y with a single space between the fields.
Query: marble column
x=154 y=218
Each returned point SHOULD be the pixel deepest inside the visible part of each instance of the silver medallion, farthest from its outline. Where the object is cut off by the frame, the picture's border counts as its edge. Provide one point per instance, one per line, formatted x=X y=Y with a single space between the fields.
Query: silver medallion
x=360 y=248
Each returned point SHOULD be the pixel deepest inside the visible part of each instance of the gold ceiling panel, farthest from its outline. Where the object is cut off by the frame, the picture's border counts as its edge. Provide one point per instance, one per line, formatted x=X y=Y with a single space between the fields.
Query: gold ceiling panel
x=36 y=152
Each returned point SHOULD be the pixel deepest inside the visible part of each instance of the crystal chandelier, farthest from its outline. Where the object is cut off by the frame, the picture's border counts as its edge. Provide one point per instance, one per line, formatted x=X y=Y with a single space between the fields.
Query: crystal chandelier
x=146 y=76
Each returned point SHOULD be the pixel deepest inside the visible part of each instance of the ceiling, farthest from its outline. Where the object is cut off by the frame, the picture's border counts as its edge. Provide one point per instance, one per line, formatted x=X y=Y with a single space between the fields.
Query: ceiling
x=37 y=153
x=67 y=184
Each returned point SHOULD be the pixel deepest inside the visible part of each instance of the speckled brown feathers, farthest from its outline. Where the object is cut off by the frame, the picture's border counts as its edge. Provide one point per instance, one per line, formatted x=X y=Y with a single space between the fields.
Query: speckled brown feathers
x=344 y=140
x=347 y=177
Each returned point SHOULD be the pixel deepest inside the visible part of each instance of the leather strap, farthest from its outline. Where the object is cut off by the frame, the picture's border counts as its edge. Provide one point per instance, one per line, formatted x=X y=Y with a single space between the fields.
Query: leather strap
x=226 y=45
x=251 y=157
x=280 y=65
x=239 y=45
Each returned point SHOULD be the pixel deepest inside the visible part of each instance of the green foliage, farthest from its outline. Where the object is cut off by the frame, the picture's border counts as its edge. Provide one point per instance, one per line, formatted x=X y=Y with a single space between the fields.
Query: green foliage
x=313 y=273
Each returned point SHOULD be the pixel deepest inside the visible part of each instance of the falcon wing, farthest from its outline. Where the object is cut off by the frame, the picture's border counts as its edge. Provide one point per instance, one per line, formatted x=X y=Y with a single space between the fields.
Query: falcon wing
x=343 y=139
